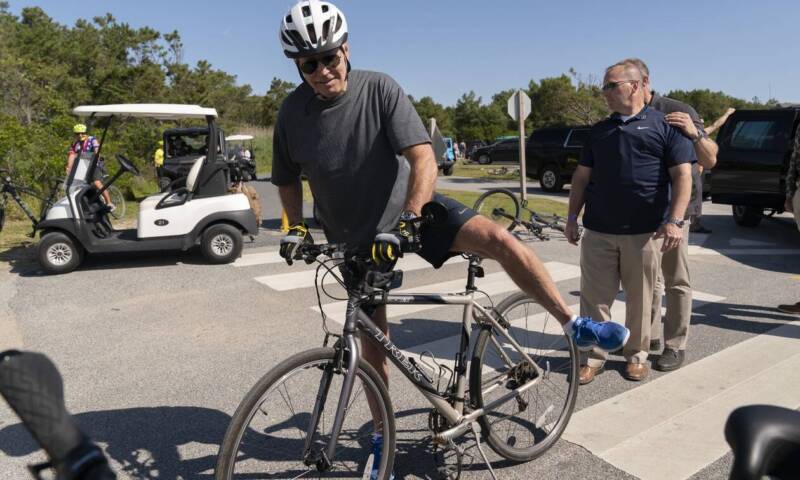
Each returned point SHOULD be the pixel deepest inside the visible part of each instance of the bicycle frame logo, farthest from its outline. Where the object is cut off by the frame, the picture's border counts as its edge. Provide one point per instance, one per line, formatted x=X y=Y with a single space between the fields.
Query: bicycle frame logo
x=397 y=354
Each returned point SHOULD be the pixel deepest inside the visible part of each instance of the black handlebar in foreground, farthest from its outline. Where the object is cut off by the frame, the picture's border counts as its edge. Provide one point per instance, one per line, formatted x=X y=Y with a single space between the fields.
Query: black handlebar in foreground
x=33 y=388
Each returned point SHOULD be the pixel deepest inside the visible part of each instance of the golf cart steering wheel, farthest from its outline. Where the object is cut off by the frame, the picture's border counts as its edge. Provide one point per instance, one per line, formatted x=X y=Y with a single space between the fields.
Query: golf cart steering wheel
x=127 y=164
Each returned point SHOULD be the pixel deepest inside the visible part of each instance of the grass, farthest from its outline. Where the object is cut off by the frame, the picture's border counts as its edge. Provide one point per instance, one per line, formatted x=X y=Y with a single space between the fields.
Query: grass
x=486 y=172
x=539 y=205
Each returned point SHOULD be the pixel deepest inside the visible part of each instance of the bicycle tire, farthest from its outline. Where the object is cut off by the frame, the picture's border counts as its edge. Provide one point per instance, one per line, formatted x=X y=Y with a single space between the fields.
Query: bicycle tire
x=271 y=445
x=499 y=198
x=115 y=194
x=489 y=375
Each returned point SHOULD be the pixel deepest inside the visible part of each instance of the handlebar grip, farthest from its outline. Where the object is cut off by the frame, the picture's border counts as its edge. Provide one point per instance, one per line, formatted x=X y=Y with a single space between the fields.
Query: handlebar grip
x=34 y=389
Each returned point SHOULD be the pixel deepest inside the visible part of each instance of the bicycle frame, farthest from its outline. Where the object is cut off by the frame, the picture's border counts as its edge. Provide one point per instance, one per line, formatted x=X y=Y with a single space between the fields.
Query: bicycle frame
x=9 y=187
x=358 y=321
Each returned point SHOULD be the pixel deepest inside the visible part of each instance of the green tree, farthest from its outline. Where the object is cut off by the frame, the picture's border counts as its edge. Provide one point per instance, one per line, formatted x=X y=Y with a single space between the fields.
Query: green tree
x=272 y=101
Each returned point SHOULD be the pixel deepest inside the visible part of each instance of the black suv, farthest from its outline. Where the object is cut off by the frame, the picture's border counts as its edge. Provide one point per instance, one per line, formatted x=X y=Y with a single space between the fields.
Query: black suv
x=503 y=151
x=754 y=151
x=552 y=155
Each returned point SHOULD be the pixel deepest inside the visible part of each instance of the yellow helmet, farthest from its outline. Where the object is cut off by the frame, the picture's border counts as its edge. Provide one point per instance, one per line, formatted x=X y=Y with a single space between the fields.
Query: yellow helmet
x=161 y=143
x=79 y=128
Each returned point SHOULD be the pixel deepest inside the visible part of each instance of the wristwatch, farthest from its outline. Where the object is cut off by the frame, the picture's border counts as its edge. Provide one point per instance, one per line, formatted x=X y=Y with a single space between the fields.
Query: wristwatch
x=698 y=137
x=677 y=222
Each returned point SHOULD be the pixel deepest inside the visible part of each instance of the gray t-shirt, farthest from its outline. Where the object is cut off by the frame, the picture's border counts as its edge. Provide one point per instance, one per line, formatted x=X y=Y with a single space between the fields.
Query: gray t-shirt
x=668 y=105
x=349 y=148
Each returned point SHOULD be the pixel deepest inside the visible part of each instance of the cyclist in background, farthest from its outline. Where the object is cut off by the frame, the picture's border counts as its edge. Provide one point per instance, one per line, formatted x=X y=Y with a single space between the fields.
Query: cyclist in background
x=85 y=144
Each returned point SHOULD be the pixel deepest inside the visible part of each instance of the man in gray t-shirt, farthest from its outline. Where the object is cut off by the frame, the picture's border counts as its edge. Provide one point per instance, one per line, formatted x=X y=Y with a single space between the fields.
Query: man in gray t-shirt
x=370 y=166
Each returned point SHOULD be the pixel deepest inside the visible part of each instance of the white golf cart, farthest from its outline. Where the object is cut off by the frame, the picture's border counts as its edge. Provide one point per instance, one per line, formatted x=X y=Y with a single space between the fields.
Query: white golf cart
x=240 y=146
x=201 y=211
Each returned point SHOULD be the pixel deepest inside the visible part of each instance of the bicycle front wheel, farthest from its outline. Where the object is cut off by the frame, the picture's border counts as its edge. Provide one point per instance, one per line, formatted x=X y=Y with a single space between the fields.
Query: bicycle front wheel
x=115 y=194
x=268 y=434
x=526 y=426
x=499 y=205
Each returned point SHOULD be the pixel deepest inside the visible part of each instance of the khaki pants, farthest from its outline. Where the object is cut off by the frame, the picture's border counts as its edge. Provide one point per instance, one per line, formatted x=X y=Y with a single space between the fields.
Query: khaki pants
x=607 y=260
x=674 y=275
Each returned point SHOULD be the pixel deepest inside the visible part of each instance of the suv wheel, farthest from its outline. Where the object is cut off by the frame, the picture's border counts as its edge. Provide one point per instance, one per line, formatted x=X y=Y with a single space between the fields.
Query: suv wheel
x=550 y=178
x=747 y=216
x=484 y=159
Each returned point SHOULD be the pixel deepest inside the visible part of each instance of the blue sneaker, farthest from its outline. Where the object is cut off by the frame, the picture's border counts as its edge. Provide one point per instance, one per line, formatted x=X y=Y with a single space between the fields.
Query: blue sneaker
x=608 y=336
x=377 y=448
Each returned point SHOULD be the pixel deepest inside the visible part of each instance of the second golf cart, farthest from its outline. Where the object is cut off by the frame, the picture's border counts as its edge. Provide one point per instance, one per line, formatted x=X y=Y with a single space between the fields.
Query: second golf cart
x=203 y=211
x=240 y=147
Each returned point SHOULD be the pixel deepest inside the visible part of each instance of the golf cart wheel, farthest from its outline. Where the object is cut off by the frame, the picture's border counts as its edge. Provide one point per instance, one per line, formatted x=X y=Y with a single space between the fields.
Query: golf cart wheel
x=745 y=216
x=221 y=243
x=59 y=253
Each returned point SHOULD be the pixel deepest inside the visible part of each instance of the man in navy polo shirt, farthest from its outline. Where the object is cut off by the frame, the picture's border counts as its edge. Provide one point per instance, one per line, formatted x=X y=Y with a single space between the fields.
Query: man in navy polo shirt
x=634 y=178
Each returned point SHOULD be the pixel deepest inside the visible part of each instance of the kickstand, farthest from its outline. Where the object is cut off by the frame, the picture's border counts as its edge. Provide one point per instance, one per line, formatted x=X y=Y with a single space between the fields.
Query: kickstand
x=480 y=450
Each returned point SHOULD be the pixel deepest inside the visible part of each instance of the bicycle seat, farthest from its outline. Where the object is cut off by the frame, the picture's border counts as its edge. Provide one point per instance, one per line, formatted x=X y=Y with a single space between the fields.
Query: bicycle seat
x=765 y=441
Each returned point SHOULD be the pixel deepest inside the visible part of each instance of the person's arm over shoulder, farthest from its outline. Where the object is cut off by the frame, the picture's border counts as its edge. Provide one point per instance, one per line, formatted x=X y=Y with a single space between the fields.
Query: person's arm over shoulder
x=403 y=125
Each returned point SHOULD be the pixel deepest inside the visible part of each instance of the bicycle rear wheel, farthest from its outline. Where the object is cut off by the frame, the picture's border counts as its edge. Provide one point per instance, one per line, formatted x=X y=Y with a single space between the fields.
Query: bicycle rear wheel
x=119 y=202
x=499 y=205
x=267 y=434
x=527 y=426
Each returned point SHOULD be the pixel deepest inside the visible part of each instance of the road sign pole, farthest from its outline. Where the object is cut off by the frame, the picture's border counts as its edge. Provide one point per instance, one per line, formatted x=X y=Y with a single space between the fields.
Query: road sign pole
x=523 y=192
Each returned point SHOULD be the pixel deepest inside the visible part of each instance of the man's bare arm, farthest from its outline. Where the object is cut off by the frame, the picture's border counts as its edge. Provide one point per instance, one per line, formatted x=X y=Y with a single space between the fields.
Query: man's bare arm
x=292 y=201
x=577 y=190
x=706 y=150
x=422 y=180
x=681 y=189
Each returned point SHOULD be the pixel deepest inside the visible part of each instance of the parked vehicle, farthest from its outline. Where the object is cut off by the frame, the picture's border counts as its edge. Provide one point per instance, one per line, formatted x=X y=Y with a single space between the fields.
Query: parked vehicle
x=552 y=154
x=203 y=211
x=503 y=151
x=447 y=160
x=244 y=156
x=182 y=147
x=753 y=158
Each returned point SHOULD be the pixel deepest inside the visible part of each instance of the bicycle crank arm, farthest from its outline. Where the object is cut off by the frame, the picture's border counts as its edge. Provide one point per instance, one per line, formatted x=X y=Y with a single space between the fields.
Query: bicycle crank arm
x=467 y=420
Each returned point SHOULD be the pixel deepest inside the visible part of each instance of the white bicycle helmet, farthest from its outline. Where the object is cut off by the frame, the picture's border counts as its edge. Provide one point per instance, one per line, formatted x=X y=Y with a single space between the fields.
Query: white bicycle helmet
x=312 y=27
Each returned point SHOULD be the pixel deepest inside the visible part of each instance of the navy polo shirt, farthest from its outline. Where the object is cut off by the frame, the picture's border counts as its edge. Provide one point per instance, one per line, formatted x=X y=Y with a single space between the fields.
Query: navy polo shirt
x=629 y=187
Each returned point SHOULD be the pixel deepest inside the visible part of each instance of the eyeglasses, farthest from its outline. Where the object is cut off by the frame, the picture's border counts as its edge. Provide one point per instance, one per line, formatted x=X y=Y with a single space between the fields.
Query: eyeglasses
x=612 y=85
x=331 y=61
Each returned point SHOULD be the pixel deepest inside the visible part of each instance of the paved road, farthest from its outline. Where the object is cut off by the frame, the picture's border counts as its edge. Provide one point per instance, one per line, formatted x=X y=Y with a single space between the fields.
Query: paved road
x=157 y=350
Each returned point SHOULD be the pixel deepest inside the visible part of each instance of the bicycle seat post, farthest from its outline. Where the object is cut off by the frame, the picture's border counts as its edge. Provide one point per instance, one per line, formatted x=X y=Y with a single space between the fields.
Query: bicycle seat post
x=474 y=270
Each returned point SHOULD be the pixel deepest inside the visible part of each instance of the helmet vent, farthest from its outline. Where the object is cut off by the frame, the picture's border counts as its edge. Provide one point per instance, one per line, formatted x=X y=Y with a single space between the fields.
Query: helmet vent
x=338 y=24
x=326 y=28
x=312 y=33
x=288 y=19
x=306 y=11
x=297 y=40
x=324 y=8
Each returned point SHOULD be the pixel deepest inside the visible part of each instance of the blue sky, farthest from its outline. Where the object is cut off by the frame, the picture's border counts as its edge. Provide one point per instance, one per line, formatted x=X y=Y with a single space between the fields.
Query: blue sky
x=444 y=48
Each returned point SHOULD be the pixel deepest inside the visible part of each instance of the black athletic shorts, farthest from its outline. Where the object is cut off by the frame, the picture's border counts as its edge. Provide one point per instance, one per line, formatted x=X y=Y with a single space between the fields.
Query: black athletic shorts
x=437 y=239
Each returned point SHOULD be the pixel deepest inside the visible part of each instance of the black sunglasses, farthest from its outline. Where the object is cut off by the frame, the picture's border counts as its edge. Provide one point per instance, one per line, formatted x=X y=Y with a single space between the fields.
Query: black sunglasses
x=330 y=61
x=612 y=85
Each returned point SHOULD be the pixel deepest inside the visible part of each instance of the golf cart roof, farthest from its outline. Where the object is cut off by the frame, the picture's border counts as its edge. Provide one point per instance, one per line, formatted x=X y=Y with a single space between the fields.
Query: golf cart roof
x=159 y=111
x=237 y=138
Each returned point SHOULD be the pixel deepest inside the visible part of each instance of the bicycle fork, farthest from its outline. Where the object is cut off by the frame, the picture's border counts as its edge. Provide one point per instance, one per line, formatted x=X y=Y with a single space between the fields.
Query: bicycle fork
x=348 y=354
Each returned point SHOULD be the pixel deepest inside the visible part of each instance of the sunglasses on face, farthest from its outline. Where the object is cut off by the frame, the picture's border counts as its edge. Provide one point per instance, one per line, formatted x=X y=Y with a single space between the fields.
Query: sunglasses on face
x=310 y=66
x=613 y=85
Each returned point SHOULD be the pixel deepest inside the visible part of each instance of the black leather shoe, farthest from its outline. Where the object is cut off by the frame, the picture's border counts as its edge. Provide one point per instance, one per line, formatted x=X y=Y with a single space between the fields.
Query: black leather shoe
x=655 y=345
x=699 y=229
x=670 y=360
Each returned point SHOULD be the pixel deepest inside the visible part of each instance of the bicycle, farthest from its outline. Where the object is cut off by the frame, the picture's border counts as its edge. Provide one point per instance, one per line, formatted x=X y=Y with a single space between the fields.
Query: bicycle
x=9 y=187
x=307 y=417
x=117 y=198
x=503 y=207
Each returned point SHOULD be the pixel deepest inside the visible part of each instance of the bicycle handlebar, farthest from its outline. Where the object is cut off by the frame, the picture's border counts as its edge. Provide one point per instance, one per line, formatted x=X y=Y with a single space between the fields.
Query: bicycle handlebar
x=34 y=389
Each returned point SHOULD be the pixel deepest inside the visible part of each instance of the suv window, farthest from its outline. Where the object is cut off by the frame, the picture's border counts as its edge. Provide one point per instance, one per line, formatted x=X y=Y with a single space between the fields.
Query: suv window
x=578 y=137
x=765 y=135
x=549 y=138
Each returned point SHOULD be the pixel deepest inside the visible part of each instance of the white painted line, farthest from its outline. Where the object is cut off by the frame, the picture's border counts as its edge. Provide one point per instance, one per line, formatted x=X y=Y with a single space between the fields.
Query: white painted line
x=743 y=242
x=492 y=284
x=444 y=350
x=696 y=250
x=305 y=278
x=673 y=426
x=259 y=258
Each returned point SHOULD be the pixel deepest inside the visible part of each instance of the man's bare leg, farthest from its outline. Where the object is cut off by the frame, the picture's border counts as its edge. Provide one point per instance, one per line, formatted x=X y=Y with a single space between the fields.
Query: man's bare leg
x=485 y=238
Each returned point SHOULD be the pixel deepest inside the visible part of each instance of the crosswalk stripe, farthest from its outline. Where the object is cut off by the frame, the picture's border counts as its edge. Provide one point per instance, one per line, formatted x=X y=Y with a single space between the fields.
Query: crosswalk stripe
x=698 y=250
x=493 y=284
x=444 y=349
x=305 y=278
x=683 y=413
x=259 y=258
